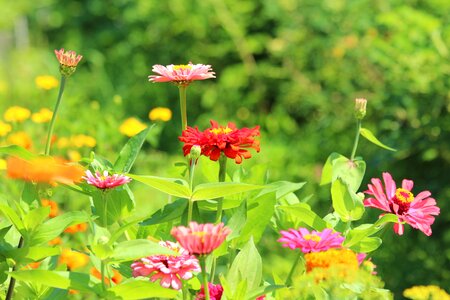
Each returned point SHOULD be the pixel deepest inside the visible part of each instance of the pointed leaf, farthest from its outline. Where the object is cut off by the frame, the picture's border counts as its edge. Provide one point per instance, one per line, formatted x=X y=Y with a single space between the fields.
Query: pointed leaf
x=134 y=249
x=119 y=204
x=302 y=214
x=215 y=190
x=351 y=172
x=16 y=150
x=141 y=289
x=36 y=217
x=367 y=244
x=31 y=253
x=246 y=266
x=130 y=151
x=169 y=212
x=13 y=218
x=346 y=203
x=327 y=170
x=171 y=186
x=372 y=138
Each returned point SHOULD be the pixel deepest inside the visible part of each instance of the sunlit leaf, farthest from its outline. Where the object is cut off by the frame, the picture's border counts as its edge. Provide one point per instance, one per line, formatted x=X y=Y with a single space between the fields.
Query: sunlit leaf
x=373 y=139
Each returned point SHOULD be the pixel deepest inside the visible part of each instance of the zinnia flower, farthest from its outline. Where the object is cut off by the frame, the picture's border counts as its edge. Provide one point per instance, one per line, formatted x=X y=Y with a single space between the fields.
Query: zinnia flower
x=68 y=61
x=53 y=207
x=20 y=138
x=418 y=211
x=82 y=140
x=181 y=74
x=72 y=229
x=116 y=277
x=215 y=292
x=160 y=113
x=44 y=170
x=43 y=116
x=46 y=82
x=313 y=241
x=16 y=114
x=330 y=258
x=426 y=292
x=170 y=269
x=228 y=140
x=131 y=126
x=106 y=181
x=73 y=259
x=4 y=128
x=200 y=239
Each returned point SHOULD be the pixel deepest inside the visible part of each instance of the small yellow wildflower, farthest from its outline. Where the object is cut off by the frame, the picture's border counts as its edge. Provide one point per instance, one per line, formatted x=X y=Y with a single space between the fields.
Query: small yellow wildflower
x=4 y=128
x=44 y=115
x=160 y=114
x=20 y=138
x=62 y=142
x=74 y=155
x=16 y=114
x=131 y=126
x=426 y=292
x=82 y=140
x=46 y=82
x=2 y=164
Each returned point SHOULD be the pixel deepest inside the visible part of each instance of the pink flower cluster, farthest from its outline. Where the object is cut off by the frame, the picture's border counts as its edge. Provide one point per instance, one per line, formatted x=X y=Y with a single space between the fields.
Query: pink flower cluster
x=418 y=211
x=313 y=241
x=105 y=181
x=181 y=74
x=68 y=58
x=200 y=239
x=169 y=269
x=215 y=292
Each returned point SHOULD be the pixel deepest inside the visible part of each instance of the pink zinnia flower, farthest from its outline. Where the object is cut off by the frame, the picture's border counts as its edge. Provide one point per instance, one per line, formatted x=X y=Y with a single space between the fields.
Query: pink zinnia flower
x=313 y=241
x=417 y=211
x=170 y=269
x=215 y=292
x=68 y=58
x=105 y=181
x=229 y=140
x=181 y=74
x=200 y=239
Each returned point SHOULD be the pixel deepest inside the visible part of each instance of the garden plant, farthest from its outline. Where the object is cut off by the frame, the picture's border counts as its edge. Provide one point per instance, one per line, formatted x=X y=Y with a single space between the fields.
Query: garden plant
x=203 y=242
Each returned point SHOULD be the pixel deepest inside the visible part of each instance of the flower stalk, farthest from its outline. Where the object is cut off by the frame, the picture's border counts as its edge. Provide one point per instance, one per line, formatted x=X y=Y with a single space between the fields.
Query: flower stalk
x=12 y=282
x=294 y=266
x=202 y=259
x=182 y=91
x=355 y=144
x=222 y=175
x=55 y=112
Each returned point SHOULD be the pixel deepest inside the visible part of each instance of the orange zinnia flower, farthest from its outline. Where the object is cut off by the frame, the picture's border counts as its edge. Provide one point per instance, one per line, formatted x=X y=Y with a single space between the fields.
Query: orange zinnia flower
x=43 y=169
x=73 y=259
x=53 y=207
x=116 y=278
x=82 y=227
x=55 y=241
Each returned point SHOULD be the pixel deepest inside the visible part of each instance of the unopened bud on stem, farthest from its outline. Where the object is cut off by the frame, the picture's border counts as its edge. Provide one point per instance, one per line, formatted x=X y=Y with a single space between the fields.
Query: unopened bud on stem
x=360 y=108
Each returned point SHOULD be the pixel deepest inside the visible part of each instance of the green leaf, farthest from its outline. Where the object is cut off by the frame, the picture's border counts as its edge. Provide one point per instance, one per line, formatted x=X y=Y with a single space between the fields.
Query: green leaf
x=302 y=214
x=31 y=253
x=372 y=138
x=130 y=151
x=55 y=226
x=57 y=279
x=35 y=217
x=215 y=190
x=346 y=203
x=134 y=249
x=237 y=221
x=367 y=244
x=13 y=218
x=171 y=186
x=169 y=212
x=263 y=290
x=141 y=289
x=119 y=204
x=29 y=193
x=327 y=171
x=259 y=213
x=365 y=230
x=352 y=172
x=282 y=188
x=16 y=150
x=246 y=266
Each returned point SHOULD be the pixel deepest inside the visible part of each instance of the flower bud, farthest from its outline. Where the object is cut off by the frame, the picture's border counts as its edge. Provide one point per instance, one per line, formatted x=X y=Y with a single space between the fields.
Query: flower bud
x=196 y=151
x=68 y=61
x=360 y=108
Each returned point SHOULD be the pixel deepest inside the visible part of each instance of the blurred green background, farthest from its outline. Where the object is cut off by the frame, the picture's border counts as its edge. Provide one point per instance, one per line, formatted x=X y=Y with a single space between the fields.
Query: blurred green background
x=293 y=67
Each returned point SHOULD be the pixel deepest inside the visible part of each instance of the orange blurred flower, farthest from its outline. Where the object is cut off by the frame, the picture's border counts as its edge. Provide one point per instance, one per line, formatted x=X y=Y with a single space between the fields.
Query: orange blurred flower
x=73 y=259
x=33 y=265
x=53 y=207
x=55 y=241
x=116 y=278
x=16 y=114
x=20 y=138
x=82 y=227
x=43 y=169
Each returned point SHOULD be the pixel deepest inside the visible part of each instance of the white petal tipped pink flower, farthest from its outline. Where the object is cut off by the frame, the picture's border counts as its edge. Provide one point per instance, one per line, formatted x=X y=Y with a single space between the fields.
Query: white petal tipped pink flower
x=313 y=241
x=181 y=74
x=200 y=239
x=170 y=269
x=105 y=181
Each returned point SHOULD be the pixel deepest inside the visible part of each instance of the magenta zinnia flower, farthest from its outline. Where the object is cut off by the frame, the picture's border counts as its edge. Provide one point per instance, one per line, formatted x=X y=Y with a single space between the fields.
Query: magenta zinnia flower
x=170 y=269
x=313 y=241
x=68 y=58
x=229 y=140
x=417 y=211
x=200 y=239
x=181 y=74
x=105 y=181
x=215 y=292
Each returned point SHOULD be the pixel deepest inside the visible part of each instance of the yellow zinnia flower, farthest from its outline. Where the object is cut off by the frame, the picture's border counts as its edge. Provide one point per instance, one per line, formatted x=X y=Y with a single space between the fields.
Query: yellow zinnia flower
x=42 y=116
x=131 y=126
x=16 y=114
x=82 y=140
x=160 y=113
x=20 y=138
x=46 y=82
x=2 y=164
x=428 y=292
x=4 y=128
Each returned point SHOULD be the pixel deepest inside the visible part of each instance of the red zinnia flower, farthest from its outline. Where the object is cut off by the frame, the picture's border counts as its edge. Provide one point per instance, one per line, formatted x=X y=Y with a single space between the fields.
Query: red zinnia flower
x=417 y=211
x=228 y=140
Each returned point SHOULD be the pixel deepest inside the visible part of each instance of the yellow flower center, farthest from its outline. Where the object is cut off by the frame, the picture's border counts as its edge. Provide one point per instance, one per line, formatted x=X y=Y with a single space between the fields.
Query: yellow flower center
x=221 y=130
x=312 y=237
x=404 y=196
x=182 y=67
x=332 y=257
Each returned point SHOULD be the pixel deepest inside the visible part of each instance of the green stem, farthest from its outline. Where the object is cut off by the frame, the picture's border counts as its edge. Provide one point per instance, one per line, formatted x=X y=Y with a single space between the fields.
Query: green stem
x=182 y=90
x=222 y=174
x=184 y=290
x=355 y=145
x=105 y=211
x=291 y=273
x=202 y=260
x=55 y=112
x=191 y=185
x=102 y=271
x=190 y=206
x=12 y=281
x=213 y=269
